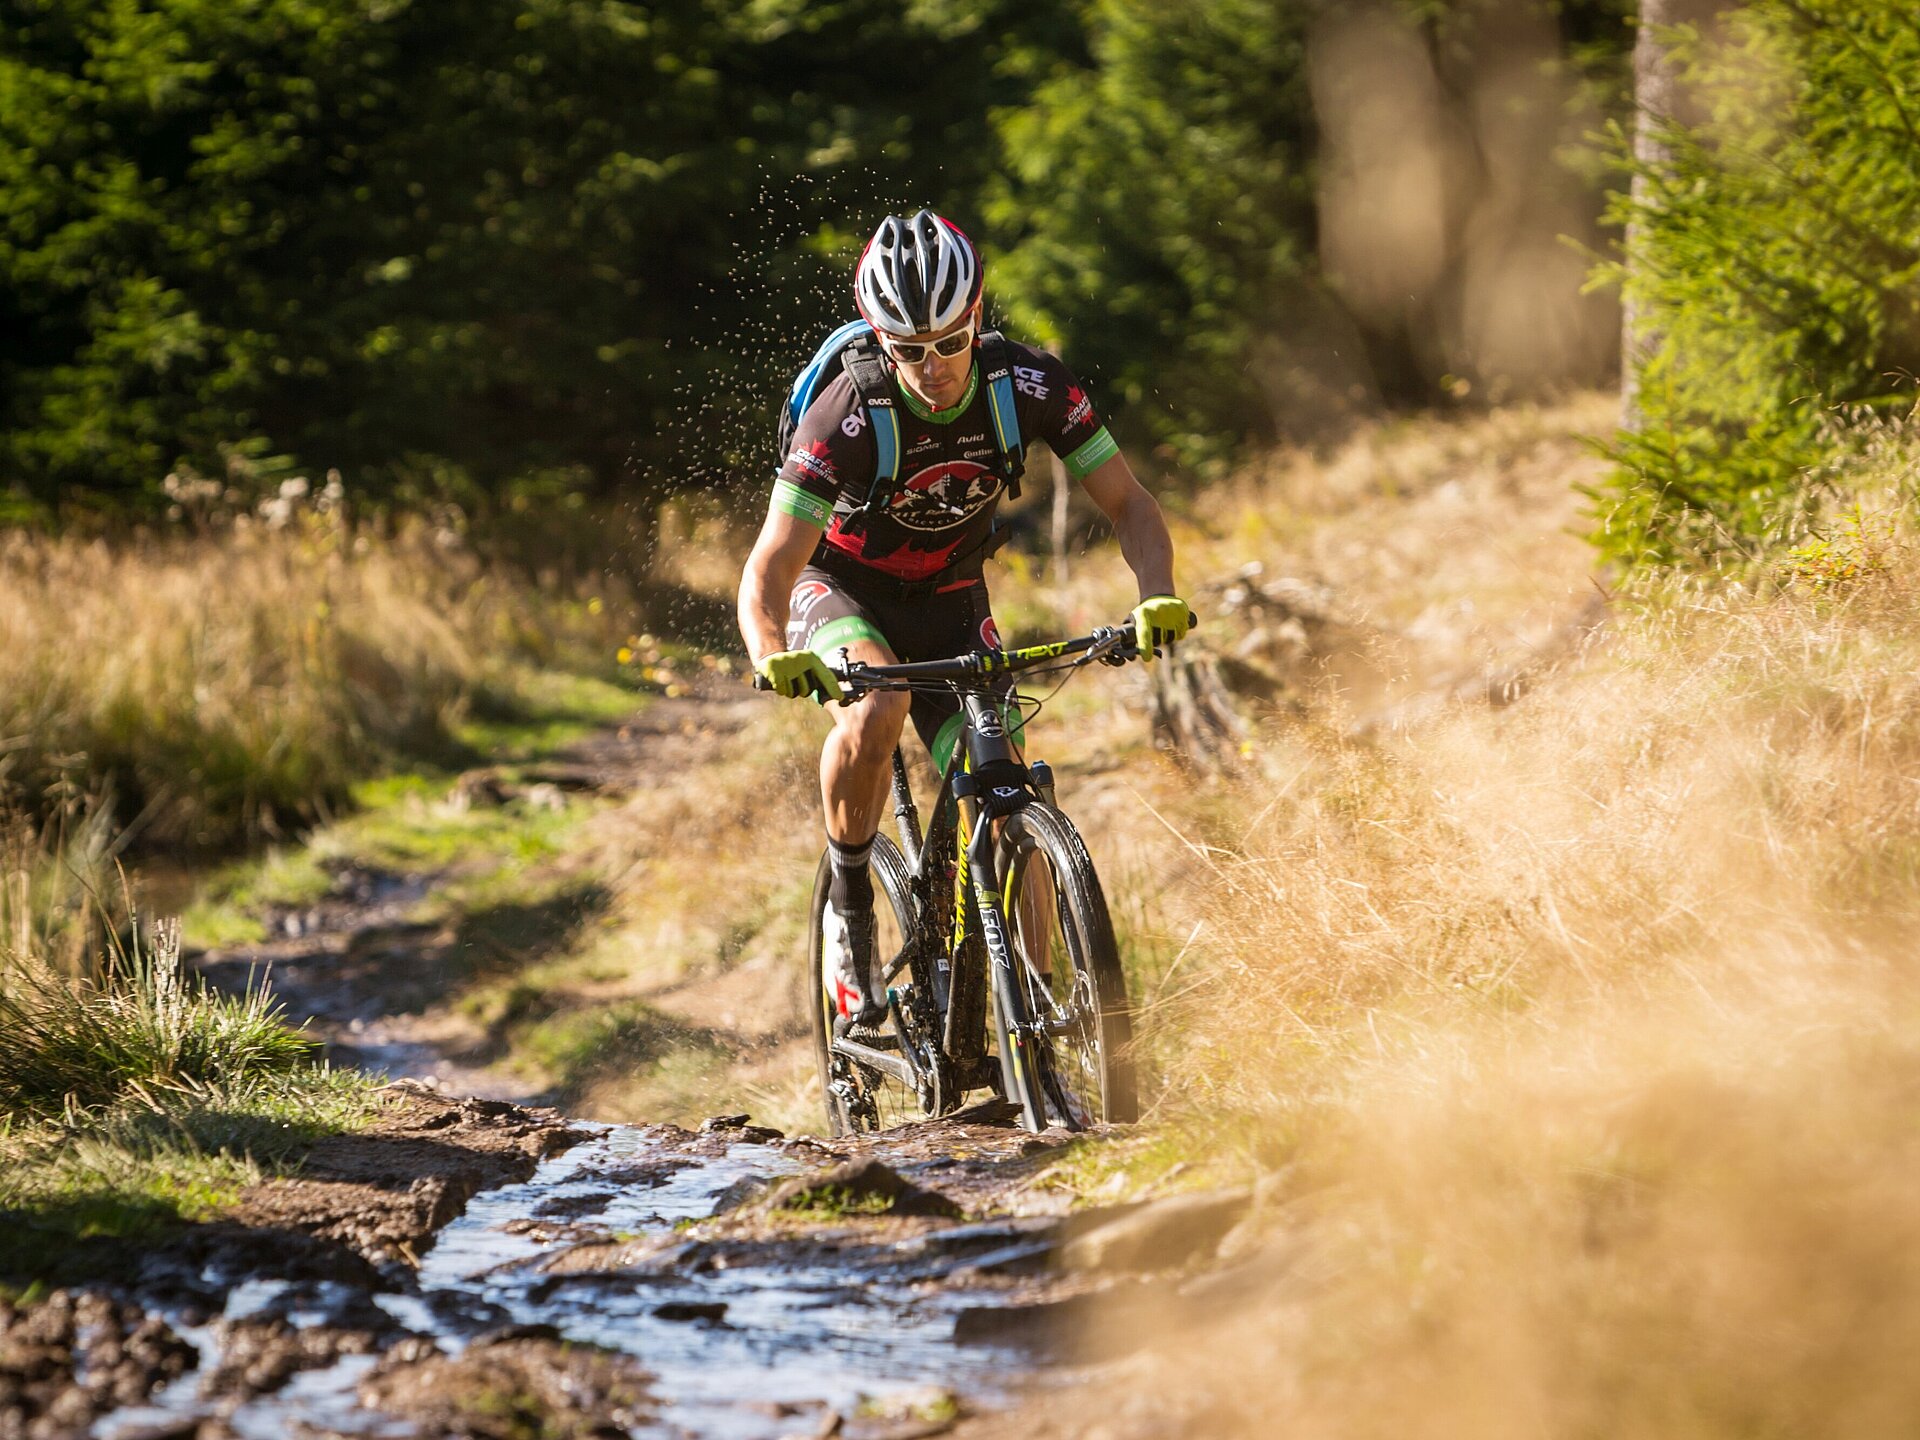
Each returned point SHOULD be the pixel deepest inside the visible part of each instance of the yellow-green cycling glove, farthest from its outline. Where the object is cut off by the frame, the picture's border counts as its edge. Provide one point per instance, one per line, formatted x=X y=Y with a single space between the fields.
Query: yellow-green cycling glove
x=1160 y=620
x=795 y=673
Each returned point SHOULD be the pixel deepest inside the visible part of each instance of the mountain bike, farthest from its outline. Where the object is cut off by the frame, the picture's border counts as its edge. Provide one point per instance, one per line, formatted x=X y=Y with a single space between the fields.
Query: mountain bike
x=995 y=932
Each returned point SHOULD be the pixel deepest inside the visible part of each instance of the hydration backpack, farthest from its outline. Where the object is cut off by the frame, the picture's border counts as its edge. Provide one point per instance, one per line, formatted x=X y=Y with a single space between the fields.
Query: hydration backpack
x=855 y=349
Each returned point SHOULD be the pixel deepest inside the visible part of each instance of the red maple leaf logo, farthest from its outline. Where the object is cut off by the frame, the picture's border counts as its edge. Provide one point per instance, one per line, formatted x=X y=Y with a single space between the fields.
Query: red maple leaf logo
x=847 y=999
x=1075 y=395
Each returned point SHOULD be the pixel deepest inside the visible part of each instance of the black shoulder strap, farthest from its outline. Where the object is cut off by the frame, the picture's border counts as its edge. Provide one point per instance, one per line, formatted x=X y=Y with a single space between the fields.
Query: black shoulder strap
x=868 y=372
x=996 y=365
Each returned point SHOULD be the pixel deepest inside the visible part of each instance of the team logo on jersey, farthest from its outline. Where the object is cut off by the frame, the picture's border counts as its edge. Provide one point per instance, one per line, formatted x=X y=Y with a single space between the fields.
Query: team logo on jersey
x=1080 y=408
x=813 y=459
x=854 y=424
x=944 y=495
x=1030 y=382
x=806 y=595
x=990 y=634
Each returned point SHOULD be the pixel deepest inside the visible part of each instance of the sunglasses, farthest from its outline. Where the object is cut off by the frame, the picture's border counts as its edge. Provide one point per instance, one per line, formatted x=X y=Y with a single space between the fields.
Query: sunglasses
x=947 y=346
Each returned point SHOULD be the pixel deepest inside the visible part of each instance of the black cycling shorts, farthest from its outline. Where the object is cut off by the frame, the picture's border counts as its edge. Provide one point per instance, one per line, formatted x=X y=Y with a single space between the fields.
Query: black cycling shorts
x=826 y=611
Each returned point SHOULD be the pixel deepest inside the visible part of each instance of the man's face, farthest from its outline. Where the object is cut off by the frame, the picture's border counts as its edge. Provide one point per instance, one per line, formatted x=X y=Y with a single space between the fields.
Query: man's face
x=939 y=380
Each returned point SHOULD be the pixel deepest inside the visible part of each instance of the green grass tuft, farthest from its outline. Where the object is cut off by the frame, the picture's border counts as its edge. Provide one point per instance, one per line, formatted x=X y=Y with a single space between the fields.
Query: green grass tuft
x=155 y=1158
x=137 y=1099
x=67 y=1044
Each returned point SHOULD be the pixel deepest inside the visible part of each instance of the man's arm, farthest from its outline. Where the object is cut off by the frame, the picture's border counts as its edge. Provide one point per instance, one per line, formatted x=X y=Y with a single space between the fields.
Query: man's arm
x=785 y=545
x=1137 y=524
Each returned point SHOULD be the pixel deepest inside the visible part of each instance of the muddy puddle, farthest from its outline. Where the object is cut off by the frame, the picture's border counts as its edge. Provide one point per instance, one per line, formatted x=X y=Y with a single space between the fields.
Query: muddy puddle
x=759 y=1322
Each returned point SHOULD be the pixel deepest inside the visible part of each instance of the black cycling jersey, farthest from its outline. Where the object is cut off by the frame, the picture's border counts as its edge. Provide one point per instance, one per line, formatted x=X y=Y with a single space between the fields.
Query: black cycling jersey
x=947 y=485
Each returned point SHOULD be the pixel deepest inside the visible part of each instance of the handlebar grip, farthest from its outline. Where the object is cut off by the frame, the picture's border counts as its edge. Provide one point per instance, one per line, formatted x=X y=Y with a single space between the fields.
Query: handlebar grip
x=760 y=682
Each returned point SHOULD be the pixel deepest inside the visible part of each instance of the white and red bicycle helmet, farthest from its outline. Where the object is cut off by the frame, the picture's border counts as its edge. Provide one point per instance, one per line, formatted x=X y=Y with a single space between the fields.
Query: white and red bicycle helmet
x=917 y=276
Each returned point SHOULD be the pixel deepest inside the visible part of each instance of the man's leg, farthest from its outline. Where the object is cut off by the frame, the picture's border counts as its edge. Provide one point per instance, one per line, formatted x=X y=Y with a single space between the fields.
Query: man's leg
x=856 y=764
x=855 y=774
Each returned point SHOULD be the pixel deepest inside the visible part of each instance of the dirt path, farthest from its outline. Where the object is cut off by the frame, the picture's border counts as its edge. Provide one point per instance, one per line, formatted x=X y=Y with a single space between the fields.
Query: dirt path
x=470 y=1266
x=374 y=985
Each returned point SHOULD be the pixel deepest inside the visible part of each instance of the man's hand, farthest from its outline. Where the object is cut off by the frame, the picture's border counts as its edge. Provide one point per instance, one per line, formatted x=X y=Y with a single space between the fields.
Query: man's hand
x=1160 y=620
x=795 y=673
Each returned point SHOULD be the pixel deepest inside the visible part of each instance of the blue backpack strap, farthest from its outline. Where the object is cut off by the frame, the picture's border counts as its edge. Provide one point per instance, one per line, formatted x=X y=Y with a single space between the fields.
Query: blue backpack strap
x=996 y=360
x=886 y=445
x=822 y=368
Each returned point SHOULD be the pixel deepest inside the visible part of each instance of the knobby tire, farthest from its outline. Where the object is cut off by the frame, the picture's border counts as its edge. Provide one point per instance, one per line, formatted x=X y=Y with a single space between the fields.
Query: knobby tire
x=1083 y=1075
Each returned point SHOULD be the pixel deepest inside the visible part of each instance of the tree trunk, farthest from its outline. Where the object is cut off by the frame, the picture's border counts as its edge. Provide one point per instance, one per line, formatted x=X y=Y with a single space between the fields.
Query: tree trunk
x=1658 y=96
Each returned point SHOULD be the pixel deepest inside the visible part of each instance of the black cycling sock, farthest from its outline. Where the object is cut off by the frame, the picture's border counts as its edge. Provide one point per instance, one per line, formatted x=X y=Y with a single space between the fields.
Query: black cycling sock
x=852 y=885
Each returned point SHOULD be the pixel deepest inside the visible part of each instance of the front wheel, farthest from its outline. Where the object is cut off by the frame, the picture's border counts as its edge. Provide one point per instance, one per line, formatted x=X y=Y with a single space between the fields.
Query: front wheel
x=1068 y=967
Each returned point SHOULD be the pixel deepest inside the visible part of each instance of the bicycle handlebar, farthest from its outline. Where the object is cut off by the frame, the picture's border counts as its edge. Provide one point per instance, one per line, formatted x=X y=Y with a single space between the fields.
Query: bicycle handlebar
x=1114 y=644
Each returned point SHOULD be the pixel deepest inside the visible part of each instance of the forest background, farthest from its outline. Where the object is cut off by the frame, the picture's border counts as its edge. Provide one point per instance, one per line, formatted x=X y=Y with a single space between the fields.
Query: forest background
x=493 y=253
x=477 y=250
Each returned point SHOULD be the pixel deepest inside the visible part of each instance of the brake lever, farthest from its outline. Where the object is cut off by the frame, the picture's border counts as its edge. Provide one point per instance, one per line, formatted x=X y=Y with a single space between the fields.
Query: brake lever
x=1132 y=648
x=1116 y=646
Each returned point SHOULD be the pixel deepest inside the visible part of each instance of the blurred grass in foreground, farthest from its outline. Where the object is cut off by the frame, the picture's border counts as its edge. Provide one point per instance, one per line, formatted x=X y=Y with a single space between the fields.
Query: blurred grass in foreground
x=1576 y=1041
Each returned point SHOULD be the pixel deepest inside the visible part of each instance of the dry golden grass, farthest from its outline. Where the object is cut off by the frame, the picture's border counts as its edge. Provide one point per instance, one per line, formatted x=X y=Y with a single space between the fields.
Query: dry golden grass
x=228 y=683
x=1576 y=1042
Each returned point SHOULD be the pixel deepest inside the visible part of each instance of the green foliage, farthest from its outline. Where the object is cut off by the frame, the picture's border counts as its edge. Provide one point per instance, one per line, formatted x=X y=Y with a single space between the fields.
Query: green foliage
x=487 y=249
x=1858 y=547
x=1158 y=202
x=1776 y=254
x=1160 y=206
x=438 y=245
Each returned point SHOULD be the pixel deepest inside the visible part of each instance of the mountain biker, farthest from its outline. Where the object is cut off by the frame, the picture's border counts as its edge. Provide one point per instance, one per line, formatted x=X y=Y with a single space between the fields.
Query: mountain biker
x=905 y=583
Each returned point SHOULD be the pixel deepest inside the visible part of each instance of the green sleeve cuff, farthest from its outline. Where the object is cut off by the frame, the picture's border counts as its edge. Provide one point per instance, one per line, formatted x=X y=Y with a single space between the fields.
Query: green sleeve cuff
x=1092 y=455
x=790 y=499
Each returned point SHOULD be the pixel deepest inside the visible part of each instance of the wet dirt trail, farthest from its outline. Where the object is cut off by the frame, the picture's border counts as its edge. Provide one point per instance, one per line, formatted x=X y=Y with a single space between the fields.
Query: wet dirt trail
x=372 y=982
x=475 y=1268
x=645 y=1280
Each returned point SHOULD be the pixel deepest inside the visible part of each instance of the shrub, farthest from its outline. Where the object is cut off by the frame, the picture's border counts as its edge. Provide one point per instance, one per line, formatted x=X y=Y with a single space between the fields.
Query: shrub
x=1774 y=252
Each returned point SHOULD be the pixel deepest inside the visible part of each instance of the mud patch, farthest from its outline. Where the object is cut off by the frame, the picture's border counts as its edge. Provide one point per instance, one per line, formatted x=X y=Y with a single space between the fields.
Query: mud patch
x=78 y=1355
x=510 y=1388
x=362 y=1208
x=259 y=1356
